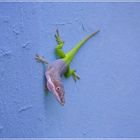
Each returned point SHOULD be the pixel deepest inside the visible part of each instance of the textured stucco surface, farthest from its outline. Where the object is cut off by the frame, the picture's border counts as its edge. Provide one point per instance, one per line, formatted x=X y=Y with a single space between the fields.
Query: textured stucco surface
x=104 y=103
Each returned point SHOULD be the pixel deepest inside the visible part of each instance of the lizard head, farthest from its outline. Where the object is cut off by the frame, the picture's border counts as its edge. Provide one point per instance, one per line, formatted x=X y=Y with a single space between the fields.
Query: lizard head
x=55 y=86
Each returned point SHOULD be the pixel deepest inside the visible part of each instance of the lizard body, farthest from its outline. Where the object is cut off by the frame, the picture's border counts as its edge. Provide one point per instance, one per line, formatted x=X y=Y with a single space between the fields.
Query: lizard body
x=61 y=67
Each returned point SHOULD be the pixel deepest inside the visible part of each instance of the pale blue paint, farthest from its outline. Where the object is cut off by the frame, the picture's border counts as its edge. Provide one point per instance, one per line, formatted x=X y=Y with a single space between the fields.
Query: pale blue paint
x=104 y=103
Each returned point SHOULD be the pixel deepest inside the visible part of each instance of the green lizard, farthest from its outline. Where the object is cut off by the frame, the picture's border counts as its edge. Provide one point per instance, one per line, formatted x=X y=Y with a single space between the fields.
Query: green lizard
x=61 y=67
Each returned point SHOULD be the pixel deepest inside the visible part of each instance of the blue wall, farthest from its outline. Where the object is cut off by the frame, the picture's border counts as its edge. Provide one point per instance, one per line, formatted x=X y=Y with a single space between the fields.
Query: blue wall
x=104 y=103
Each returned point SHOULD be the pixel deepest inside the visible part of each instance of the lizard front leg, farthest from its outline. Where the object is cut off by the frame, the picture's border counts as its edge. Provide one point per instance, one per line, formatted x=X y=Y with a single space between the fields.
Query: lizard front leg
x=41 y=59
x=58 y=50
x=71 y=72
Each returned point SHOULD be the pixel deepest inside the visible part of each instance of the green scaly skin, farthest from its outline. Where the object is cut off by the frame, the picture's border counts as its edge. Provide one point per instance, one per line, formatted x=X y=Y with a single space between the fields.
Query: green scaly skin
x=61 y=66
x=68 y=57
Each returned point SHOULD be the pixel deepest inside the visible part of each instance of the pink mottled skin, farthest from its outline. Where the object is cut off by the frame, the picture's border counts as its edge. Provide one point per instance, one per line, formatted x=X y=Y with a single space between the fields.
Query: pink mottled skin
x=53 y=75
x=61 y=67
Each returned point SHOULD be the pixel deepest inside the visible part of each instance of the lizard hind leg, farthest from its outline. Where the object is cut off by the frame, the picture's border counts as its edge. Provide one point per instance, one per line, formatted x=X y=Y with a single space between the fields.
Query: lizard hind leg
x=58 y=50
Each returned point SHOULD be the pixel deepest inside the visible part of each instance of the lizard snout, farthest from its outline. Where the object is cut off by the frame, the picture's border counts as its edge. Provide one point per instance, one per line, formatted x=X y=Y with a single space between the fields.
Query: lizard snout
x=56 y=87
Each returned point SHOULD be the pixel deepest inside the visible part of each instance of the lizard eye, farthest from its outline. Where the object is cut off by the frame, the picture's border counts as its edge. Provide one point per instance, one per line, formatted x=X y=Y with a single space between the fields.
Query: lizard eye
x=57 y=88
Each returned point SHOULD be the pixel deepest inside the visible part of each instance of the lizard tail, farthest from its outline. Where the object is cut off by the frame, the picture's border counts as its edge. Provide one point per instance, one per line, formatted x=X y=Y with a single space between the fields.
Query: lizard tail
x=70 y=55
